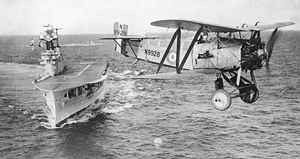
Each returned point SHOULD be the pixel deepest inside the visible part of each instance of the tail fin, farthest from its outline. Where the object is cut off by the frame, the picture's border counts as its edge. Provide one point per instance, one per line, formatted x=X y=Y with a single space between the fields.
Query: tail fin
x=120 y=29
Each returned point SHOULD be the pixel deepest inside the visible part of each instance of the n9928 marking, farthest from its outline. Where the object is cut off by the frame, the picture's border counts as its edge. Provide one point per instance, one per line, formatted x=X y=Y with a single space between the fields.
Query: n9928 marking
x=152 y=53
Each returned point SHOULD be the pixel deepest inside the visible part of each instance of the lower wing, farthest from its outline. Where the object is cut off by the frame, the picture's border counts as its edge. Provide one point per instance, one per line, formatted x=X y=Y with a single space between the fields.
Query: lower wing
x=174 y=75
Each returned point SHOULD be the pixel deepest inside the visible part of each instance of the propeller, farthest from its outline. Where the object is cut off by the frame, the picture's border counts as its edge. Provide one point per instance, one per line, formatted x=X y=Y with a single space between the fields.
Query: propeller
x=270 y=44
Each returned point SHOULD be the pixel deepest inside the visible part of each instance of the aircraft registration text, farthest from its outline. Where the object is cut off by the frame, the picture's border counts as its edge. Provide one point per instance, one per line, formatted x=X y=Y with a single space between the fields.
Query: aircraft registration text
x=152 y=53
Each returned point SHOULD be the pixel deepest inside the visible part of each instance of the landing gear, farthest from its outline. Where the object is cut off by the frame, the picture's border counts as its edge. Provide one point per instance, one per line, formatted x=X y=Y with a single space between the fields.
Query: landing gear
x=249 y=94
x=247 y=89
x=221 y=99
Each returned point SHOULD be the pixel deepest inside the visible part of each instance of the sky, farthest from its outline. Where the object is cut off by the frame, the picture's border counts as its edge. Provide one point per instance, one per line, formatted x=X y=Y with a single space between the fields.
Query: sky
x=26 y=17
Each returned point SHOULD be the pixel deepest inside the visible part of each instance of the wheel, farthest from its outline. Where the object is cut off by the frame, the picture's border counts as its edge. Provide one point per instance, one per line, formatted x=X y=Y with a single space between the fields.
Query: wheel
x=249 y=94
x=221 y=99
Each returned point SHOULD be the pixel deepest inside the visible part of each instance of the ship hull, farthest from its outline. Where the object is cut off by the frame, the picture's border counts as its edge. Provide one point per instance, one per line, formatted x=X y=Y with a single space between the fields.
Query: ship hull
x=61 y=108
x=77 y=88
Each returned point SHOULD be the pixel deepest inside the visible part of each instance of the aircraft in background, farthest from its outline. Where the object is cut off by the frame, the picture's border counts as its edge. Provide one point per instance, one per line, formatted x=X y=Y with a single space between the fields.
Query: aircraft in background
x=230 y=51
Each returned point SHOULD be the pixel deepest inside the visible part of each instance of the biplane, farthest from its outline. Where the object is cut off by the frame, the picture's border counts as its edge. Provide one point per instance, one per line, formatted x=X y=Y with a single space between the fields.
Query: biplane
x=231 y=51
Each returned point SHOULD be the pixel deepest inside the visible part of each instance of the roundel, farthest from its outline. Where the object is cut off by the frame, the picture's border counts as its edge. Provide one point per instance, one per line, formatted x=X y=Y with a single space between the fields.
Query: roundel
x=171 y=58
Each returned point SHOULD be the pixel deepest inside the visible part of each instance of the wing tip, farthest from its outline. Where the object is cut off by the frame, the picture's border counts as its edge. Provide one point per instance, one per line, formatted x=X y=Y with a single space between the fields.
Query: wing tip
x=283 y=24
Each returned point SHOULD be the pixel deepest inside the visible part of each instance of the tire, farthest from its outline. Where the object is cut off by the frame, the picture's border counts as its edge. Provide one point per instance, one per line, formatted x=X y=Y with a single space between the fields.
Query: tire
x=221 y=100
x=250 y=94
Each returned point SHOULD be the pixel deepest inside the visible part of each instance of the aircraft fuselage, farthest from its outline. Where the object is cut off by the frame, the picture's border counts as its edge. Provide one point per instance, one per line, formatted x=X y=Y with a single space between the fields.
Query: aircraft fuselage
x=203 y=55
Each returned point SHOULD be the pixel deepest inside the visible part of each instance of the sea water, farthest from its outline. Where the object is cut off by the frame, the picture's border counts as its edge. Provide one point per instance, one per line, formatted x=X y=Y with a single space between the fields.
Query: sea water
x=148 y=118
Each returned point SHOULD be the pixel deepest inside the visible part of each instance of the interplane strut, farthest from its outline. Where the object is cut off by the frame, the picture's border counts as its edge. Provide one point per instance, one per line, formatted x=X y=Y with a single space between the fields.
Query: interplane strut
x=179 y=65
x=167 y=50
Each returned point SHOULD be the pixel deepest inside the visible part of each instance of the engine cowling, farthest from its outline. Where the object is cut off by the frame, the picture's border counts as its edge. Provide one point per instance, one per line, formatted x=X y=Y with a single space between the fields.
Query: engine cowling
x=252 y=54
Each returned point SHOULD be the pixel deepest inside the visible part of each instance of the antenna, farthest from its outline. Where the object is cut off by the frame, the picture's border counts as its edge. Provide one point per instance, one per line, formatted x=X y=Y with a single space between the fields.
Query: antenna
x=56 y=29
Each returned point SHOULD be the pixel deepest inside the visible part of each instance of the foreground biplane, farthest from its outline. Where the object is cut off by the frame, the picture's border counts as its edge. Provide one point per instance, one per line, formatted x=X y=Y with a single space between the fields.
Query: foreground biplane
x=229 y=50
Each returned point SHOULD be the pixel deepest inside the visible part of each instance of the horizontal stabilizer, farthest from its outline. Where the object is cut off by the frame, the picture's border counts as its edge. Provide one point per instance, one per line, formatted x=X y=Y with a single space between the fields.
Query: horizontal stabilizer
x=171 y=75
x=132 y=37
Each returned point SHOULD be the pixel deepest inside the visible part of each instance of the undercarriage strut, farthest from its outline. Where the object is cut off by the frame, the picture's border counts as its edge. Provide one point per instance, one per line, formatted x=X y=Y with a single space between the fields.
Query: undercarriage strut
x=247 y=89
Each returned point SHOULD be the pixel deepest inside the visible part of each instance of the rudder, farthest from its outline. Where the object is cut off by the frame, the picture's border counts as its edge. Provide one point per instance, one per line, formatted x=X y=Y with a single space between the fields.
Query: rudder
x=120 y=30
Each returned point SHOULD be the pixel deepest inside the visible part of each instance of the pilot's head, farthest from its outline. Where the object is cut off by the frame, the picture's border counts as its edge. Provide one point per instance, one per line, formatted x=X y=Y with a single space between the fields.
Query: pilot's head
x=205 y=36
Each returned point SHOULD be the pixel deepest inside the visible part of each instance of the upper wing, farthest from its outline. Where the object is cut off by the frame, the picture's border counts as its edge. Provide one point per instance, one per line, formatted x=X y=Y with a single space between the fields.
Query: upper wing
x=132 y=37
x=269 y=26
x=194 y=26
x=207 y=27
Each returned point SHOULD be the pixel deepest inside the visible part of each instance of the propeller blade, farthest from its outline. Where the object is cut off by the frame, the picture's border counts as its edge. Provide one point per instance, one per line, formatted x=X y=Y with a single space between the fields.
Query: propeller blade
x=270 y=44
